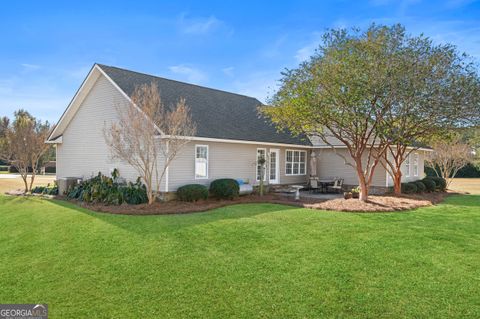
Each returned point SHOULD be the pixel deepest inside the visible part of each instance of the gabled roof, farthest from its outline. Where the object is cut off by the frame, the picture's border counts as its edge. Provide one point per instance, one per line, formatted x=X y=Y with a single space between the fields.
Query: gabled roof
x=217 y=114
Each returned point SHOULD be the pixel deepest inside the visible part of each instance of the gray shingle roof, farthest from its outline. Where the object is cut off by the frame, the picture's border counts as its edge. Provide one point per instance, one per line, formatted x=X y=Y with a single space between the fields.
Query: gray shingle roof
x=217 y=114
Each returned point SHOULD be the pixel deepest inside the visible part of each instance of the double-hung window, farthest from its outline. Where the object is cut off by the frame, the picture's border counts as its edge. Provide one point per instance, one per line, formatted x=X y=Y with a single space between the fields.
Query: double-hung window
x=415 y=164
x=407 y=166
x=201 y=161
x=295 y=162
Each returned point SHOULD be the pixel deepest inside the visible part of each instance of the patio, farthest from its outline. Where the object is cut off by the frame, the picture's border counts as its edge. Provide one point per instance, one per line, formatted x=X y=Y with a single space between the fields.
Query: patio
x=307 y=194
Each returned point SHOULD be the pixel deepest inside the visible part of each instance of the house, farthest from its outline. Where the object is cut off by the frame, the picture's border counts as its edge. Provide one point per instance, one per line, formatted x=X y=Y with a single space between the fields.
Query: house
x=230 y=136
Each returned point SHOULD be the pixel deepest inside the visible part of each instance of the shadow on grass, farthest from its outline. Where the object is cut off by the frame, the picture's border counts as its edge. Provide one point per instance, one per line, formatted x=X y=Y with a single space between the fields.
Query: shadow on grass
x=147 y=224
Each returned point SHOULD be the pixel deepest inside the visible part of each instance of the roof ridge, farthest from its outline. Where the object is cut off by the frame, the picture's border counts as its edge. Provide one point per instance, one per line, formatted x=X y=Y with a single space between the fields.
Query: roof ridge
x=186 y=83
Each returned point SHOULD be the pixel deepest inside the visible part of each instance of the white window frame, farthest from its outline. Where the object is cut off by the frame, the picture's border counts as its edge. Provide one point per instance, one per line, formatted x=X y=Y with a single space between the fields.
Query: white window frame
x=407 y=166
x=195 y=158
x=257 y=177
x=415 y=164
x=293 y=162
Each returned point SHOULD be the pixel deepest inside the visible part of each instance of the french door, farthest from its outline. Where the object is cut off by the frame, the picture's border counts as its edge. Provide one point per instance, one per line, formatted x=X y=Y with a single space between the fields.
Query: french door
x=274 y=166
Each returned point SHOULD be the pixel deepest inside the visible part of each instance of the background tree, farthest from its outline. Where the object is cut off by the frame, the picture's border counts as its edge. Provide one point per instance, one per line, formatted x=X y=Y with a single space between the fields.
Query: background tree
x=23 y=144
x=342 y=92
x=148 y=136
x=4 y=125
x=434 y=90
x=448 y=157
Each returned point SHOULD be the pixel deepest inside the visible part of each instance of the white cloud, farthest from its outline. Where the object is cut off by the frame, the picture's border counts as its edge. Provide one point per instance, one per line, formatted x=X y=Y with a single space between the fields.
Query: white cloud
x=308 y=50
x=228 y=71
x=198 y=25
x=189 y=74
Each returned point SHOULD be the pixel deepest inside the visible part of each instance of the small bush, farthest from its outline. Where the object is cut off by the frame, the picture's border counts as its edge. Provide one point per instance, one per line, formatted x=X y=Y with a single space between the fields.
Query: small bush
x=429 y=184
x=420 y=186
x=440 y=183
x=409 y=188
x=192 y=192
x=225 y=188
x=4 y=168
x=46 y=190
x=38 y=189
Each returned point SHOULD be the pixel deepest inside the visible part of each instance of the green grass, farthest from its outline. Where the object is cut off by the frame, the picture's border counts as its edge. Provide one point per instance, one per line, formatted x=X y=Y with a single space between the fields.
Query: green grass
x=247 y=261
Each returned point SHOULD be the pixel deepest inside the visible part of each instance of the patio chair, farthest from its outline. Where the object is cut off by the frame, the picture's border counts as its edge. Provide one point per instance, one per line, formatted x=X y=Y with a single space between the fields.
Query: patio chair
x=314 y=185
x=337 y=186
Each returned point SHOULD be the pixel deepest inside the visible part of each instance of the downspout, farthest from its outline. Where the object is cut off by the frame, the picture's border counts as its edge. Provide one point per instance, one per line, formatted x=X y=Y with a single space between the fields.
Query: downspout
x=166 y=171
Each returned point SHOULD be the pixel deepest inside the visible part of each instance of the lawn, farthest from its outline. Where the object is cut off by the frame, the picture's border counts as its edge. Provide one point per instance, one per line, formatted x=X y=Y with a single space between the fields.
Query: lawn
x=8 y=184
x=246 y=261
x=471 y=185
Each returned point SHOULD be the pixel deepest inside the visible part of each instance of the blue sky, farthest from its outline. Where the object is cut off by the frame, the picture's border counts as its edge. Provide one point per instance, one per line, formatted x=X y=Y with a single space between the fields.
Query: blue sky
x=48 y=47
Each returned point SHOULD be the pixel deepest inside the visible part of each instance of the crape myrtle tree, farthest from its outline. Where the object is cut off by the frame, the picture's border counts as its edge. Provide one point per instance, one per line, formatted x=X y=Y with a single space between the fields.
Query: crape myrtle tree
x=381 y=93
x=22 y=143
x=435 y=90
x=149 y=135
x=342 y=94
x=449 y=156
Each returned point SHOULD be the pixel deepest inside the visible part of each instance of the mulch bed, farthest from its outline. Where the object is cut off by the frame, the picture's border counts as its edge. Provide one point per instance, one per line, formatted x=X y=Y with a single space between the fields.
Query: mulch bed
x=383 y=203
x=374 y=204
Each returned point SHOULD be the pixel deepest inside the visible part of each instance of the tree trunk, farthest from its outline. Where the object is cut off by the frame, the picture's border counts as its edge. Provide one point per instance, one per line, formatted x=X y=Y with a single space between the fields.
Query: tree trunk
x=362 y=182
x=32 y=178
x=397 y=182
x=24 y=177
x=151 y=198
x=363 y=191
x=150 y=194
x=262 y=173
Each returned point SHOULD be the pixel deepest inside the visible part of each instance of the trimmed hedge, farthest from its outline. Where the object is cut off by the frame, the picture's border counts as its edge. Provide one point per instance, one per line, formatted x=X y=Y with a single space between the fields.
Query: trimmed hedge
x=409 y=188
x=430 y=184
x=440 y=183
x=192 y=192
x=420 y=186
x=225 y=188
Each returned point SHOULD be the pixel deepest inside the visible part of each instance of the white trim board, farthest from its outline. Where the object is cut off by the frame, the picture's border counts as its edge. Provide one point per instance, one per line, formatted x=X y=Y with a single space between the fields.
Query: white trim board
x=224 y=140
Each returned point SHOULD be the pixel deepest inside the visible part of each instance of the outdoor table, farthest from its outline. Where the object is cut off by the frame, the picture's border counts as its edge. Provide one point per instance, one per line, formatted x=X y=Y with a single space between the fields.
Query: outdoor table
x=324 y=184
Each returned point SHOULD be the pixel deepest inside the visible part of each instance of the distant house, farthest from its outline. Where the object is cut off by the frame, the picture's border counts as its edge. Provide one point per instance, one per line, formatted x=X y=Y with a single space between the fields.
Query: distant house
x=230 y=137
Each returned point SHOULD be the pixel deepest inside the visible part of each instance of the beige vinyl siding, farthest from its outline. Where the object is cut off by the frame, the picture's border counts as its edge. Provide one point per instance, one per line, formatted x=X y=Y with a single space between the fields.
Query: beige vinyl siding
x=330 y=164
x=412 y=177
x=84 y=152
x=225 y=160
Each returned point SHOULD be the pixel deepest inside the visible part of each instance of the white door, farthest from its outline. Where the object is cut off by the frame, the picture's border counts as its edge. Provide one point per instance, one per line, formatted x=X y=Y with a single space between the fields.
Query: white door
x=274 y=166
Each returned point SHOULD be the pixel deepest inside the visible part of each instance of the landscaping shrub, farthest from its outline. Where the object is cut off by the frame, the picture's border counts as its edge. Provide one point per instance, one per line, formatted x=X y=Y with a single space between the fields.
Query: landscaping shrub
x=409 y=188
x=420 y=186
x=3 y=168
x=192 y=192
x=430 y=184
x=440 y=183
x=46 y=190
x=103 y=189
x=226 y=188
